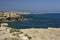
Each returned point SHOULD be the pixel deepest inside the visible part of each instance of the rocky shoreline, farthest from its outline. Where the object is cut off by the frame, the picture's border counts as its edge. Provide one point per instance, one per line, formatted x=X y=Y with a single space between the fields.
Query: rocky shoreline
x=7 y=33
x=11 y=17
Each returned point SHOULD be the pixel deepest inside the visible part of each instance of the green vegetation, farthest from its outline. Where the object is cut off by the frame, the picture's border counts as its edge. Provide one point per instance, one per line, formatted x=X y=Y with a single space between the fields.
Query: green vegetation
x=10 y=39
x=20 y=32
x=14 y=30
x=14 y=39
x=14 y=34
x=28 y=36
x=5 y=39
x=0 y=30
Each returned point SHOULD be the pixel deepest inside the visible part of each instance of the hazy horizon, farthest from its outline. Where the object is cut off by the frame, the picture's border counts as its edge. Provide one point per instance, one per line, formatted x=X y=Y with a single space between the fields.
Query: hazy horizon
x=40 y=6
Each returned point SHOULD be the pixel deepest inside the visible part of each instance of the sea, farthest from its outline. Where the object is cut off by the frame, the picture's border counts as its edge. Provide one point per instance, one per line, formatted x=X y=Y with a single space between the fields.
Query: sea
x=38 y=21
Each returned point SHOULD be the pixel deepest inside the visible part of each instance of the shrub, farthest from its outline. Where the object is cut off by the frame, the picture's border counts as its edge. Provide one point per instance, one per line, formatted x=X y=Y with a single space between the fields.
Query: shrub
x=29 y=37
x=10 y=39
x=14 y=38
x=14 y=30
x=5 y=39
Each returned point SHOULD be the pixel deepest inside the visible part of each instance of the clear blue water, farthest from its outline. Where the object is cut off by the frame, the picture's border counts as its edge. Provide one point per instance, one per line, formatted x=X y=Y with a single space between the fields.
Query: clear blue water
x=38 y=21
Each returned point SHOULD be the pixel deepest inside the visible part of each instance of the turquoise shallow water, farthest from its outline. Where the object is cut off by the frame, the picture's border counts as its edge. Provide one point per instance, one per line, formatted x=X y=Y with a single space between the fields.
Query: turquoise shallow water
x=38 y=21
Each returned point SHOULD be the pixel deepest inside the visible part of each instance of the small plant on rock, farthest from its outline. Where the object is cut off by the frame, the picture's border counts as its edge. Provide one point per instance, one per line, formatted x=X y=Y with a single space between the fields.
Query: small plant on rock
x=28 y=37
x=14 y=30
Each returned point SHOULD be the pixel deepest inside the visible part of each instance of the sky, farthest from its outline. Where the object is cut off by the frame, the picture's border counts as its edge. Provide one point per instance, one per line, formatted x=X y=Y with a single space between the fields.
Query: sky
x=42 y=6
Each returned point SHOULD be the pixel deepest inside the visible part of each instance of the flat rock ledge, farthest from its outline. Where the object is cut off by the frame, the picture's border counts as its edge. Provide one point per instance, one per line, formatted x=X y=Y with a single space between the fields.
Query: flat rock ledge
x=31 y=34
x=43 y=34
